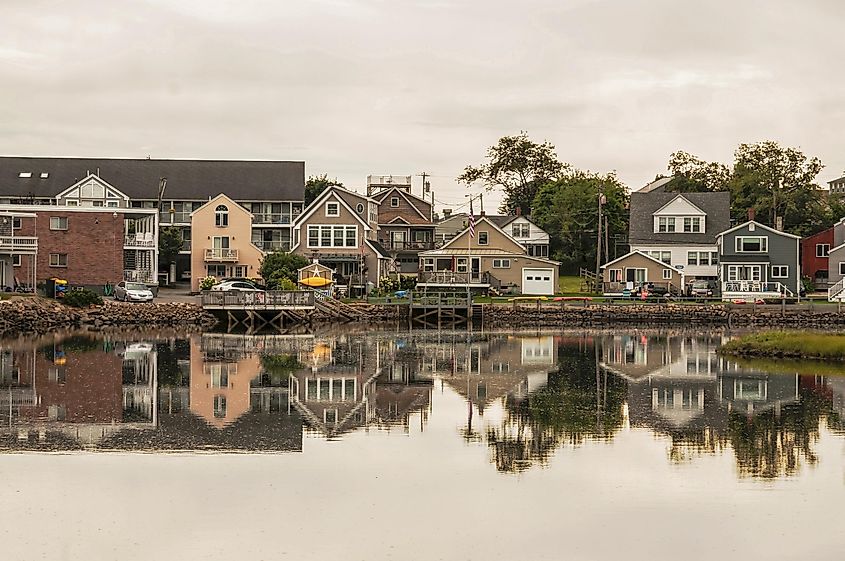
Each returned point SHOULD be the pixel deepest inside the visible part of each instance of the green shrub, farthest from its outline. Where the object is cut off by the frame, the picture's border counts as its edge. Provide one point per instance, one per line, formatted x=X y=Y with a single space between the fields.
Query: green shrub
x=207 y=282
x=82 y=298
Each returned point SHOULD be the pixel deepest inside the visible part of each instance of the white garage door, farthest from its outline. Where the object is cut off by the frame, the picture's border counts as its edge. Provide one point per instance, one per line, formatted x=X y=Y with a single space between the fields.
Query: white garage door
x=538 y=281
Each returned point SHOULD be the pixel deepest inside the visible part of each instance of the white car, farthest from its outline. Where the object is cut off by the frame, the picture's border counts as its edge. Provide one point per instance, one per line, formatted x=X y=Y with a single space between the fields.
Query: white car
x=133 y=292
x=237 y=286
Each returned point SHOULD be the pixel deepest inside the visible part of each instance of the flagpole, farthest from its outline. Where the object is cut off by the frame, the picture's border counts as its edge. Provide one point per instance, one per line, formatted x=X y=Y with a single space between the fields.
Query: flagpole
x=469 y=252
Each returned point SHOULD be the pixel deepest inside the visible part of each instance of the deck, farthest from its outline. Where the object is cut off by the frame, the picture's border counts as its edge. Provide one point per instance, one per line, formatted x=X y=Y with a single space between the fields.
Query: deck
x=272 y=300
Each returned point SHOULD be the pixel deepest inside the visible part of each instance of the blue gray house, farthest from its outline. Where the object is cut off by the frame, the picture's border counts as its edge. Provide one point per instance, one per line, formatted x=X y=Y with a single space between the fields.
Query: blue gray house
x=756 y=261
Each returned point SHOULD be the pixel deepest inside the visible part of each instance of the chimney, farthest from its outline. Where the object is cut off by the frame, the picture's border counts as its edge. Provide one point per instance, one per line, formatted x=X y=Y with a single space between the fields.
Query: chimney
x=751 y=214
x=519 y=211
x=482 y=213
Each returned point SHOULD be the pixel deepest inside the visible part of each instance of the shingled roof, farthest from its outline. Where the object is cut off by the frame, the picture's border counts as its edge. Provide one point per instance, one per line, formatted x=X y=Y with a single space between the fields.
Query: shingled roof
x=716 y=205
x=243 y=180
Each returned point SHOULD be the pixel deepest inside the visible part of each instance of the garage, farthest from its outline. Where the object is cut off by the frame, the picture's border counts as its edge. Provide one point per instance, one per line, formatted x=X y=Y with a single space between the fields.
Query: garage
x=538 y=281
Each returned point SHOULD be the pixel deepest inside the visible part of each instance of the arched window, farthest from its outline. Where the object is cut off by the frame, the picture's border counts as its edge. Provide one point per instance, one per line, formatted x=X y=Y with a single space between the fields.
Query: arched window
x=221 y=216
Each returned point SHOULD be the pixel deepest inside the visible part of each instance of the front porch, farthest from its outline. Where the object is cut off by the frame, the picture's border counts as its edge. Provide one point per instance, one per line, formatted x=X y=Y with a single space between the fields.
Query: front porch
x=744 y=290
x=475 y=280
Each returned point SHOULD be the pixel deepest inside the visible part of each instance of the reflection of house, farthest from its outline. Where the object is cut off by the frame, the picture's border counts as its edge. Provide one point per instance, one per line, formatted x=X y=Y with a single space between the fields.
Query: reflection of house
x=749 y=392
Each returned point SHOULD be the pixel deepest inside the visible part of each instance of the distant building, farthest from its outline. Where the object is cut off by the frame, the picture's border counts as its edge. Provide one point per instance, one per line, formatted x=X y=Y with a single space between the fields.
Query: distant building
x=837 y=186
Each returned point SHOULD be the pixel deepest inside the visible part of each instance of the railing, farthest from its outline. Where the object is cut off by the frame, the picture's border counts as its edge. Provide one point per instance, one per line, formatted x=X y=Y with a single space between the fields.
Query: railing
x=408 y=245
x=451 y=277
x=273 y=245
x=755 y=287
x=18 y=243
x=221 y=254
x=271 y=299
x=618 y=287
x=448 y=300
x=140 y=240
x=134 y=275
x=835 y=292
x=271 y=218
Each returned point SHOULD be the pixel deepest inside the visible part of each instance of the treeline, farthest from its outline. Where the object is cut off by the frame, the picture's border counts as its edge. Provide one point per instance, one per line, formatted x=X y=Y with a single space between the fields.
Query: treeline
x=775 y=181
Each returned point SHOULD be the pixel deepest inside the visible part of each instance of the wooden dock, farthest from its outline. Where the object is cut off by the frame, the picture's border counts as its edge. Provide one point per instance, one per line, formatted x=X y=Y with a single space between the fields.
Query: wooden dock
x=279 y=309
x=438 y=310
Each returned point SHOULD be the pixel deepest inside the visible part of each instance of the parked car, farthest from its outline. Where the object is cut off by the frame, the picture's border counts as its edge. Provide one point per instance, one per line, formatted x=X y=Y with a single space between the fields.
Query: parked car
x=237 y=286
x=133 y=292
x=701 y=289
x=257 y=285
x=652 y=291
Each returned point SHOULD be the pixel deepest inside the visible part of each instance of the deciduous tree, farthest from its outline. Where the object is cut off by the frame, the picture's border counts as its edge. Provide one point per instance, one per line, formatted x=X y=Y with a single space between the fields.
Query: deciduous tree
x=316 y=184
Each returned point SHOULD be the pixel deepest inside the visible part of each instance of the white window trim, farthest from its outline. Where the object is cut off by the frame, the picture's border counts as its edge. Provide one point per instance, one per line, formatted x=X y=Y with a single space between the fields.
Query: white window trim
x=822 y=246
x=502 y=263
x=394 y=200
x=58 y=218
x=764 y=244
x=330 y=215
x=58 y=260
x=667 y=274
x=777 y=276
x=618 y=275
x=486 y=235
x=842 y=267
x=16 y=260
x=332 y=228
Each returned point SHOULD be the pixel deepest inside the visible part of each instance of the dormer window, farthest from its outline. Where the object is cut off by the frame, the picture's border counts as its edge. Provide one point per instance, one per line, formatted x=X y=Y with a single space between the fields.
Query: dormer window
x=25 y=174
x=666 y=224
x=221 y=216
x=693 y=224
x=333 y=209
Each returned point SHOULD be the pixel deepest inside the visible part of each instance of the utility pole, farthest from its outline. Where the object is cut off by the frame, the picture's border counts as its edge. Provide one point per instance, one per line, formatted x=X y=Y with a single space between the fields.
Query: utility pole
x=481 y=202
x=598 y=244
x=423 y=175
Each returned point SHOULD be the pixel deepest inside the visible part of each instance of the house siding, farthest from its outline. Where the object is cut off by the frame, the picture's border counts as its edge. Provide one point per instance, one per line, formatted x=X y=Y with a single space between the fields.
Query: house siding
x=654 y=271
x=811 y=265
x=680 y=257
x=782 y=250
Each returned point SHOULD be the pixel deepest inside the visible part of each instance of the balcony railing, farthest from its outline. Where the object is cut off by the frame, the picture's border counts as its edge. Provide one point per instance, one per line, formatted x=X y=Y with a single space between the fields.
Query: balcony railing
x=135 y=275
x=19 y=243
x=754 y=287
x=271 y=218
x=273 y=245
x=407 y=245
x=451 y=277
x=221 y=254
x=139 y=240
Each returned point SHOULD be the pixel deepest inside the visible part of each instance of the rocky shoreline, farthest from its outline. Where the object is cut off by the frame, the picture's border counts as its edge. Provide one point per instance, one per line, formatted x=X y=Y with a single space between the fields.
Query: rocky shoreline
x=41 y=315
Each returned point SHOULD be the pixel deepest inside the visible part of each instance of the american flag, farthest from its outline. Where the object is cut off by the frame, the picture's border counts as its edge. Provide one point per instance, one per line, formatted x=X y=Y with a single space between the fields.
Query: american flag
x=471 y=222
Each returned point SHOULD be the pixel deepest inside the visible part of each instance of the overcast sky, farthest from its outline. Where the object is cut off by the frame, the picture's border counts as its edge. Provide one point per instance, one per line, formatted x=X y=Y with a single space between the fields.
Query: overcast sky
x=354 y=87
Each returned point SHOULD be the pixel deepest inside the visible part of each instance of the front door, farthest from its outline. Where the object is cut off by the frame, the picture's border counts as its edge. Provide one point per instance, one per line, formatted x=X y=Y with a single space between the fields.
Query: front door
x=476 y=269
x=636 y=276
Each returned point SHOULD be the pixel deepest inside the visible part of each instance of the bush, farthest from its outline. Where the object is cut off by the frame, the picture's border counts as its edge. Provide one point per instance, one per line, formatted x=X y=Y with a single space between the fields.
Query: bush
x=82 y=298
x=280 y=265
x=389 y=285
x=207 y=282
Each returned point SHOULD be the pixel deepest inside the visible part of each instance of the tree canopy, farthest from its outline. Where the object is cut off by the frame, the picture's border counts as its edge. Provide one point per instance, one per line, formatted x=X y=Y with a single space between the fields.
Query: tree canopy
x=279 y=269
x=316 y=184
x=518 y=166
x=568 y=210
x=169 y=244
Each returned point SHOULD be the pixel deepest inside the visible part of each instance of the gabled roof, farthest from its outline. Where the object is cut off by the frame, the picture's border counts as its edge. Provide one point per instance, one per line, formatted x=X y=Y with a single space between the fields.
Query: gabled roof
x=412 y=200
x=757 y=225
x=248 y=180
x=682 y=197
x=318 y=203
x=715 y=205
x=96 y=178
x=839 y=180
x=647 y=256
x=397 y=219
x=216 y=200
x=477 y=223
x=656 y=185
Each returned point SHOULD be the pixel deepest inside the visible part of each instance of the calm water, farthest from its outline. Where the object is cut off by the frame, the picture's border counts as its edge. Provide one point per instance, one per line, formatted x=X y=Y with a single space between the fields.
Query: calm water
x=416 y=446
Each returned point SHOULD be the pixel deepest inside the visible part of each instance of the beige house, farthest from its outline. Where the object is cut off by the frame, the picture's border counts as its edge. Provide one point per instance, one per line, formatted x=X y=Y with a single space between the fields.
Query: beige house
x=340 y=230
x=491 y=259
x=222 y=244
x=637 y=269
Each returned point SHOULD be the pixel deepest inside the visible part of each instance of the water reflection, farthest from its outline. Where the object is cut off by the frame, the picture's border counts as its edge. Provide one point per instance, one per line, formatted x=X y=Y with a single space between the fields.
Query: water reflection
x=526 y=398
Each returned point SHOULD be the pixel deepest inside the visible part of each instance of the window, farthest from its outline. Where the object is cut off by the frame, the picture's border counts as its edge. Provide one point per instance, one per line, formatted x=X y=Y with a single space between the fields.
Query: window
x=16 y=260
x=428 y=264
x=111 y=204
x=692 y=224
x=221 y=216
x=666 y=224
x=394 y=202
x=667 y=274
x=216 y=271
x=332 y=236
x=360 y=208
x=822 y=249
x=58 y=223
x=757 y=244
x=521 y=230
x=692 y=258
x=44 y=175
x=501 y=263
x=97 y=203
x=461 y=264
x=842 y=268
x=482 y=238
x=240 y=271
x=332 y=209
x=714 y=257
x=780 y=271
x=71 y=202
x=16 y=223
x=616 y=275
x=220 y=406
x=25 y=174
x=58 y=259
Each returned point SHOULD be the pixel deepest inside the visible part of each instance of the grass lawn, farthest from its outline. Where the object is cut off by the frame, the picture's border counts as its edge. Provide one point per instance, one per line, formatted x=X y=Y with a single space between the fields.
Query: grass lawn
x=792 y=344
x=570 y=285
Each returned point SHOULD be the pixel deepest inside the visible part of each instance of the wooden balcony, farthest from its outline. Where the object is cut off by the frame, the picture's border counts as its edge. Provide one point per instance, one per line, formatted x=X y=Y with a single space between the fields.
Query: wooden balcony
x=397 y=245
x=221 y=254
x=18 y=244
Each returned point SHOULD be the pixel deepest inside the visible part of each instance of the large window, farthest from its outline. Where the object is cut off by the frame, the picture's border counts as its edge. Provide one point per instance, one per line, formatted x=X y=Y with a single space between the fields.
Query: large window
x=221 y=216
x=521 y=230
x=755 y=244
x=332 y=236
x=822 y=249
x=666 y=224
x=664 y=256
x=744 y=273
x=701 y=258
x=58 y=223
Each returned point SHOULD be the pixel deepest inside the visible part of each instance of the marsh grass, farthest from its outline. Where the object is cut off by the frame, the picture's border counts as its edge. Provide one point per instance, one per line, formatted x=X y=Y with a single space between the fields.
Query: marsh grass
x=790 y=344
